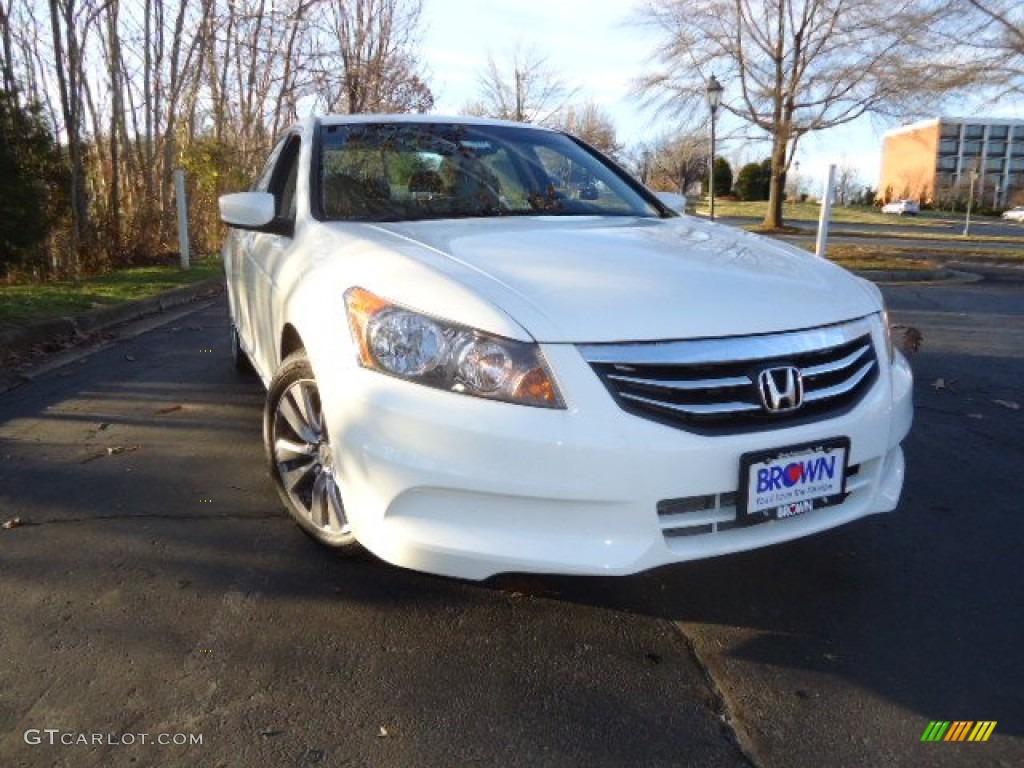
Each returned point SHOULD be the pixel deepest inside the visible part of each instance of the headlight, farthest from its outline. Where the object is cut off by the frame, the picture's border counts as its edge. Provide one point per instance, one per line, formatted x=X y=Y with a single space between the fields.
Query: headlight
x=401 y=342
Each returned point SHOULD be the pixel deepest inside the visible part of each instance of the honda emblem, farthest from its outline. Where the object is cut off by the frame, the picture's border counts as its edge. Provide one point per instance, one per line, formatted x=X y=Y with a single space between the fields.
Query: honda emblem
x=782 y=389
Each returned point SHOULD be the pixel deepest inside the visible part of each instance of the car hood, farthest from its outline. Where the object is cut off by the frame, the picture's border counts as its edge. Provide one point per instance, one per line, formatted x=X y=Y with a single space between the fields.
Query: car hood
x=601 y=279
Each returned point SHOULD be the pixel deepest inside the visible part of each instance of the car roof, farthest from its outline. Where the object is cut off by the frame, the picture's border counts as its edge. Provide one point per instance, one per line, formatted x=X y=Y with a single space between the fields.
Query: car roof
x=408 y=119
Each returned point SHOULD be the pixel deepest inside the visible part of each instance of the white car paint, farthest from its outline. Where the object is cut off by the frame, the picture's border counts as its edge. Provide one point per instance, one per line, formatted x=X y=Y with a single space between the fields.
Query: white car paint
x=458 y=485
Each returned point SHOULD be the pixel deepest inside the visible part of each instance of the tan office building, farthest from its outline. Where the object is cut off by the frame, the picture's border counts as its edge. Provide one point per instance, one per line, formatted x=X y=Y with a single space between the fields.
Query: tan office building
x=932 y=162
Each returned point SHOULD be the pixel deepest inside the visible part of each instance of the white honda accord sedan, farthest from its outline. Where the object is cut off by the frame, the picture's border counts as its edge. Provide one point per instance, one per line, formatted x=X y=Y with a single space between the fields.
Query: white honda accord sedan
x=487 y=348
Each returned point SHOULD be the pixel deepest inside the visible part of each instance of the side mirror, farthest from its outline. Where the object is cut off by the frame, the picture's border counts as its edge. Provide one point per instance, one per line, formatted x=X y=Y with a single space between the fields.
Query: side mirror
x=672 y=201
x=248 y=210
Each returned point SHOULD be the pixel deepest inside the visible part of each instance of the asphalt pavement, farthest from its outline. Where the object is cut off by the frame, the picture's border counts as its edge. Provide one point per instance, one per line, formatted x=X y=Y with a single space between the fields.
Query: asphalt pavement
x=152 y=586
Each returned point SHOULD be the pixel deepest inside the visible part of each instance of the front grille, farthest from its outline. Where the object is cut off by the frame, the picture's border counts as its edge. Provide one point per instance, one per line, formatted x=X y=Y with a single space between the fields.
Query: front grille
x=710 y=386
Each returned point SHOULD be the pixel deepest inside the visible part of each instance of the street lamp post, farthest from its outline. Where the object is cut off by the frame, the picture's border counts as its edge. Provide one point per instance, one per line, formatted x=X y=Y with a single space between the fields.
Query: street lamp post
x=714 y=99
x=970 y=202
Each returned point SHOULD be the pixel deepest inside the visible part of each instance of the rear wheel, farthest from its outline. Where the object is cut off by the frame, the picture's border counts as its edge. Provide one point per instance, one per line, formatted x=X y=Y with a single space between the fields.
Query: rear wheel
x=302 y=462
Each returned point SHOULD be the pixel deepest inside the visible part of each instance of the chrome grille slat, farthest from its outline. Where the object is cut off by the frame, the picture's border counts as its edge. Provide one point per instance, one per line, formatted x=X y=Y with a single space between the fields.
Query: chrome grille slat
x=842 y=388
x=684 y=384
x=715 y=409
x=710 y=386
x=838 y=365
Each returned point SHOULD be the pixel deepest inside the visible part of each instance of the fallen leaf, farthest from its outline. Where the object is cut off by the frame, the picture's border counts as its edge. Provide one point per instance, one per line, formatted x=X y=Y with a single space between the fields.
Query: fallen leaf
x=119 y=449
x=382 y=733
x=170 y=409
x=14 y=522
x=111 y=451
x=941 y=384
x=1008 y=404
x=129 y=358
x=104 y=425
x=909 y=341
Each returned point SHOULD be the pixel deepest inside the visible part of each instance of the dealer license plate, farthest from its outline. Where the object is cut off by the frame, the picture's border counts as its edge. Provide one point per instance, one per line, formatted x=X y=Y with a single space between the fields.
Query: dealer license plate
x=790 y=481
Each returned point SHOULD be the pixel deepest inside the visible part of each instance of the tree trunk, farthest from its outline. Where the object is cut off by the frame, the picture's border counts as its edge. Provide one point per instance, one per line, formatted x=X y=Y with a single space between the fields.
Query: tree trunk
x=116 y=109
x=7 y=52
x=68 y=70
x=776 y=187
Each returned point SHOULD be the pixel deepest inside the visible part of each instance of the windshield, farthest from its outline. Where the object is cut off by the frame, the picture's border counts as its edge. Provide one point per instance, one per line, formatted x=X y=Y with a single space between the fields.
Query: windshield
x=410 y=171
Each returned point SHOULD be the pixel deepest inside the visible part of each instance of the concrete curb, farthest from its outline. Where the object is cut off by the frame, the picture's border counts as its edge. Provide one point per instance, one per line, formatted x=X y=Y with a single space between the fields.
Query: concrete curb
x=19 y=340
x=940 y=275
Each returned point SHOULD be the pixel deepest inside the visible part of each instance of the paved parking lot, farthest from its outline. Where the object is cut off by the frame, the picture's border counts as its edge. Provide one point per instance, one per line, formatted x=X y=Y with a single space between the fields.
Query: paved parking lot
x=154 y=588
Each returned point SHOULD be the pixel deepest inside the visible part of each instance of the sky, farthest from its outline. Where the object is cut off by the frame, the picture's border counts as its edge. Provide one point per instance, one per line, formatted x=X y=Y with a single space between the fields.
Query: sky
x=593 y=46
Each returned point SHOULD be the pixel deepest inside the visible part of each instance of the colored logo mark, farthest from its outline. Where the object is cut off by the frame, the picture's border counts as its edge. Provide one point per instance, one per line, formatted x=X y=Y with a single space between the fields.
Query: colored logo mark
x=958 y=730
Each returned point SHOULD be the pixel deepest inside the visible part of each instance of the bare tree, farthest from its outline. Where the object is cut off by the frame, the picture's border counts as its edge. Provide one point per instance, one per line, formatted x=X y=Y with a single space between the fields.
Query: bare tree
x=524 y=89
x=592 y=124
x=993 y=30
x=795 y=66
x=7 y=81
x=69 y=23
x=675 y=163
x=376 y=41
x=135 y=89
x=847 y=181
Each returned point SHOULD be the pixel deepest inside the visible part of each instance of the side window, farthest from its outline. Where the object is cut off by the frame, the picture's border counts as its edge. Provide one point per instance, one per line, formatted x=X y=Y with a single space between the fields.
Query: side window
x=263 y=182
x=284 y=179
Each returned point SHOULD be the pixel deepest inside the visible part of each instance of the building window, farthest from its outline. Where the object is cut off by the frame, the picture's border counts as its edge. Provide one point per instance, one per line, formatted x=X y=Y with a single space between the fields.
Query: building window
x=947 y=163
x=1017 y=149
x=950 y=131
x=994 y=164
x=998 y=131
x=996 y=148
x=972 y=148
x=1017 y=164
x=949 y=146
x=974 y=131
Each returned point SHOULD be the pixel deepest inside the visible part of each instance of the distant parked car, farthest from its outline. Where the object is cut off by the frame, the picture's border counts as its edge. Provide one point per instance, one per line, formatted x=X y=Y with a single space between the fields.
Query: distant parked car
x=1015 y=214
x=902 y=208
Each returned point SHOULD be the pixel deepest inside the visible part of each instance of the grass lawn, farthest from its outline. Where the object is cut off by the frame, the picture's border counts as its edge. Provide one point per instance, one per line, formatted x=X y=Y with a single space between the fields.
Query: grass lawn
x=860 y=257
x=865 y=257
x=25 y=303
x=810 y=212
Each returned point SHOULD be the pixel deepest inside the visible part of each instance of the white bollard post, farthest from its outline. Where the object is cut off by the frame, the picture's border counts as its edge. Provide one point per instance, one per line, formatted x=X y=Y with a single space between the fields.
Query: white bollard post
x=826 y=214
x=179 y=193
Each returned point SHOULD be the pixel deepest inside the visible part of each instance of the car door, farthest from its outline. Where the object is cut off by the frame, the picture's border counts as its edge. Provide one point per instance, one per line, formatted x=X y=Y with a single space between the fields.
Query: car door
x=237 y=246
x=263 y=257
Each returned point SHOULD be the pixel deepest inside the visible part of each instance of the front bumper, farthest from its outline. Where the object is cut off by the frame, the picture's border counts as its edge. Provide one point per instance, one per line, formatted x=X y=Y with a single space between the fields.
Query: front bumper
x=463 y=487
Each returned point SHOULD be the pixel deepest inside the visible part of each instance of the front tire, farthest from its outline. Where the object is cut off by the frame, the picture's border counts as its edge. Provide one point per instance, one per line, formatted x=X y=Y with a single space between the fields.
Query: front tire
x=301 y=459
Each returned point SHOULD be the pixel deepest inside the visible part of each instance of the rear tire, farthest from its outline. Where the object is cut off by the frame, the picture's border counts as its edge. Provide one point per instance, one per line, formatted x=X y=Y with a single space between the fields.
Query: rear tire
x=301 y=459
